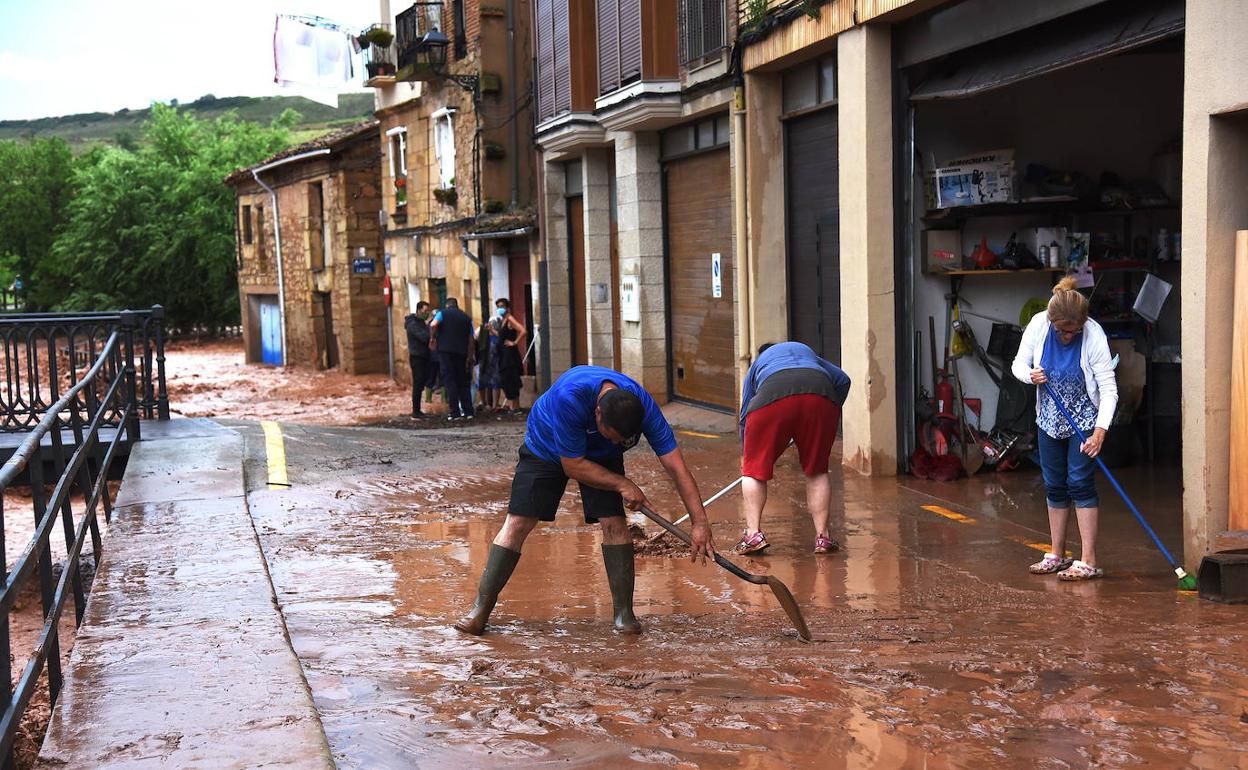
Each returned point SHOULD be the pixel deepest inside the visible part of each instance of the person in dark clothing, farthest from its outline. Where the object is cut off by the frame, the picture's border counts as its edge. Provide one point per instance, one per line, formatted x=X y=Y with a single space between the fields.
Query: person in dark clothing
x=510 y=333
x=418 y=353
x=452 y=333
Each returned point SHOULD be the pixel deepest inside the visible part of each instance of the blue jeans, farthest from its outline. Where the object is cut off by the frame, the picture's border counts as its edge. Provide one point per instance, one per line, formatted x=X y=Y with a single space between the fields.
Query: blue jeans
x=1068 y=473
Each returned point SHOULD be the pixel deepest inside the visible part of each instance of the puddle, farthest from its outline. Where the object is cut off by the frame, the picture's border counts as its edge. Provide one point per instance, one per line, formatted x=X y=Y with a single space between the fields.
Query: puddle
x=933 y=647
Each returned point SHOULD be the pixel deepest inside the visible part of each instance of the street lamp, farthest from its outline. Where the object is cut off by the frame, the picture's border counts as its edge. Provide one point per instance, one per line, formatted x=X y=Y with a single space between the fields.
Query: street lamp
x=433 y=48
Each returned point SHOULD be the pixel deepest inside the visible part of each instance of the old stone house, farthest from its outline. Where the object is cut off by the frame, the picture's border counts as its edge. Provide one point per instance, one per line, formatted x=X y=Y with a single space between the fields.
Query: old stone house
x=457 y=182
x=322 y=306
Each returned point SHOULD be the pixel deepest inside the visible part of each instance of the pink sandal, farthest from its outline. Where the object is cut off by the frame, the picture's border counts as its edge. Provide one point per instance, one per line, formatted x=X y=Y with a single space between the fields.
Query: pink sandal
x=825 y=544
x=754 y=543
x=1050 y=563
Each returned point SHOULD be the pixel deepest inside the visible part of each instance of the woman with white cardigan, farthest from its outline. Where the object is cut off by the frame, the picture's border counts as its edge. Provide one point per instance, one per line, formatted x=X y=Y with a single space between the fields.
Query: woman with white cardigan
x=1070 y=351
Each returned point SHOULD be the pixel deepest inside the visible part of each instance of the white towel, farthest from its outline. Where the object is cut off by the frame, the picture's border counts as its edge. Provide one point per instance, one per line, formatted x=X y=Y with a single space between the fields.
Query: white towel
x=314 y=60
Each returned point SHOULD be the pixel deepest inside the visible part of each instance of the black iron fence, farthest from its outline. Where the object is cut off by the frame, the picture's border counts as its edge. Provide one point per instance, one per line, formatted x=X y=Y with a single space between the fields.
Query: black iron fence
x=43 y=354
x=83 y=447
x=411 y=26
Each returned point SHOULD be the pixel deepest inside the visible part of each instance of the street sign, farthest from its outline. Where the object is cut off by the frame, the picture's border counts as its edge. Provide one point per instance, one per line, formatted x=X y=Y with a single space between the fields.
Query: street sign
x=364 y=266
x=717 y=285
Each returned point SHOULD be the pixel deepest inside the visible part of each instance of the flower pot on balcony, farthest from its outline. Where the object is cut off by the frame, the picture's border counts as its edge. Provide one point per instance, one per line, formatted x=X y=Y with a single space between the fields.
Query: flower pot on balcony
x=379 y=69
x=446 y=196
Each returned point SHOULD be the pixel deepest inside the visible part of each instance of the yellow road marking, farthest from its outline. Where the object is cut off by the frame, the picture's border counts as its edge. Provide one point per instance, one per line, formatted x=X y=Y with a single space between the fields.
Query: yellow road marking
x=1041 y=547
x=275 y=450
x=948 y=514
x=695 y=434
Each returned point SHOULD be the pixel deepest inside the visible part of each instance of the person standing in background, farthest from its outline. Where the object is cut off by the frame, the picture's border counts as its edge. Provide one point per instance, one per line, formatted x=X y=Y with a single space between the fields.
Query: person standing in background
x=418 y=353
x=452 y=333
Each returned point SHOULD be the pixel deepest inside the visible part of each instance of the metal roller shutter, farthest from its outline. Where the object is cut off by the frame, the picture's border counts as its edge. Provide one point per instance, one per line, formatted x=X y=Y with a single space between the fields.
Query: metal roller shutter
x=814 y=232
x=699 y=223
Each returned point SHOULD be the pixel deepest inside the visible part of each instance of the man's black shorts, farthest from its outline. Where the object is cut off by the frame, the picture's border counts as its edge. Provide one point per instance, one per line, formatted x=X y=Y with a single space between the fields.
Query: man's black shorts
x=539 y=485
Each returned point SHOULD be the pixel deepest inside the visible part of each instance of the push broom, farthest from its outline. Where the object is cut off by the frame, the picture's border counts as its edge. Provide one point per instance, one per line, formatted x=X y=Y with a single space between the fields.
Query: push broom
x=1186 y=581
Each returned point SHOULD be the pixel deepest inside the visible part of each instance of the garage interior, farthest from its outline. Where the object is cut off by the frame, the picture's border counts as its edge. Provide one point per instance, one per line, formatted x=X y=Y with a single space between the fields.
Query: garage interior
x=1089 y=108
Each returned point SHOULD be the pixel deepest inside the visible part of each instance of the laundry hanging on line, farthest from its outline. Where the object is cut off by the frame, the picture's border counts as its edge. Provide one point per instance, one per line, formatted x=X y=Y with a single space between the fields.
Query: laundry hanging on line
x=316 y=60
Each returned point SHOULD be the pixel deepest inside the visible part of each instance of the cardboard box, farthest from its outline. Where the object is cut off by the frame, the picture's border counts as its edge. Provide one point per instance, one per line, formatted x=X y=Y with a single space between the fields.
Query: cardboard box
x=942 y=250
x=977 y=179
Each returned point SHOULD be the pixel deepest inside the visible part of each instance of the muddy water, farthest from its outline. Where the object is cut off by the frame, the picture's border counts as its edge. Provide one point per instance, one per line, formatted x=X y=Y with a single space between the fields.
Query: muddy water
x=933 y=647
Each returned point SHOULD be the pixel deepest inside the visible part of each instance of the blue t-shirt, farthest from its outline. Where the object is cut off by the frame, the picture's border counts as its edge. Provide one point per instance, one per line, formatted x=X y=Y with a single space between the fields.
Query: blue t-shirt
x=1060 y=363
x=562 y=422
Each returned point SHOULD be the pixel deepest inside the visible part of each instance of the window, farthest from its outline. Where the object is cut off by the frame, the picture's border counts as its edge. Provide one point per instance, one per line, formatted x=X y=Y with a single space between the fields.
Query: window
x=398 y=165
x=701 y=29
x=260 y=255
x=706 y=134
x=444 y=146
x=245 y=222
x=461 y=31
x=810 y=85
x=316 y=226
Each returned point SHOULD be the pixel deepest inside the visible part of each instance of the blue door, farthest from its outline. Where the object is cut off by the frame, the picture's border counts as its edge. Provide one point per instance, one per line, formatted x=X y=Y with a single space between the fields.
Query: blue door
x=270 y=331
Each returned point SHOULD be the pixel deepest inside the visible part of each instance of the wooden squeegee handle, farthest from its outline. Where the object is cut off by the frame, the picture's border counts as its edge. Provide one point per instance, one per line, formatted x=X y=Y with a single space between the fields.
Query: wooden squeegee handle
x=720 y=560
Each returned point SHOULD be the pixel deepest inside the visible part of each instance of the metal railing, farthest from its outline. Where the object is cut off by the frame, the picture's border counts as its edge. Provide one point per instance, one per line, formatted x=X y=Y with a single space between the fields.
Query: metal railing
x=378 y=59
x=107 y=387
x=41 y=354
x=410 y=28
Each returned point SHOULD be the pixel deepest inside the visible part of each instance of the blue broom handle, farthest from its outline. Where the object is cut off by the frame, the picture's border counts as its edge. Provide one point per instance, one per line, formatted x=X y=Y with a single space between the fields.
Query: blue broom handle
x=1138 y=517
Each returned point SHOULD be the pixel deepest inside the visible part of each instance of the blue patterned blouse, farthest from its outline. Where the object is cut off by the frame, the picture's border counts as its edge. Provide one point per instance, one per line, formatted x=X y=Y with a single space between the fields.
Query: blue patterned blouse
x=1060 y=362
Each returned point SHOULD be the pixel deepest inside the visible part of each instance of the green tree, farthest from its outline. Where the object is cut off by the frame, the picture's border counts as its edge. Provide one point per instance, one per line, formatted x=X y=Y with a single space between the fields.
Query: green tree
x=35 y=186
x=155 y=225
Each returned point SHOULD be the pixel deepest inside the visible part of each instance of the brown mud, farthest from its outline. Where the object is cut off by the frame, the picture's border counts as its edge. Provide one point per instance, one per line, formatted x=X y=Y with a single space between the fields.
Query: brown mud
x=210 y=379
x=933 y=646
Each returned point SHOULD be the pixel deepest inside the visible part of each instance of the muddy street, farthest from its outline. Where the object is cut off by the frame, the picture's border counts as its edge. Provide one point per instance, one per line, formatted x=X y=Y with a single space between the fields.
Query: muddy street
x=932 y=646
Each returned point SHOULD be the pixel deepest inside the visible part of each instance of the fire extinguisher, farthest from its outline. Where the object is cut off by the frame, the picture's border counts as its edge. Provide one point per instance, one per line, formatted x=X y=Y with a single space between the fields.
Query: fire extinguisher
x=944 y=397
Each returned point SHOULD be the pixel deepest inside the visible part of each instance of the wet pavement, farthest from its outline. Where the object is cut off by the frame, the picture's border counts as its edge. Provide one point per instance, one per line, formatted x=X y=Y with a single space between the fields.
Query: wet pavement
x=183 y=659
x=932 y=646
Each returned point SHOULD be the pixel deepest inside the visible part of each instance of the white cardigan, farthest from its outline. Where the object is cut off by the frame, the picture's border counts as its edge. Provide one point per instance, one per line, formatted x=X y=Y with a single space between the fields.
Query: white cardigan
x=1095 y=359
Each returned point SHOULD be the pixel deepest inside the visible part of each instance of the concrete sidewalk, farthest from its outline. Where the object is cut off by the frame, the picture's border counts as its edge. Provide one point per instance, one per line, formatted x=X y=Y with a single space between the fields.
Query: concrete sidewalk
x=183 y=659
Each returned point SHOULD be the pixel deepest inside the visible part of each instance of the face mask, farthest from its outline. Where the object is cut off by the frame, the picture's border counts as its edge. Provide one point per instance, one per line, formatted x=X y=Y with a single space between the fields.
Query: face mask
x=502 y=311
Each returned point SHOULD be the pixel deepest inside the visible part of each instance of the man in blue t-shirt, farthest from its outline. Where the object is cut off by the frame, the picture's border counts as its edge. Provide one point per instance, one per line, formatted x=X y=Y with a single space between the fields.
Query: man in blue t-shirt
x=580 y=429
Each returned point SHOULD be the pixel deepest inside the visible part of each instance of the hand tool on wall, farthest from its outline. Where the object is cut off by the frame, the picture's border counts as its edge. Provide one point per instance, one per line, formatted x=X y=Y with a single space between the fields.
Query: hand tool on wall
x=781 y=591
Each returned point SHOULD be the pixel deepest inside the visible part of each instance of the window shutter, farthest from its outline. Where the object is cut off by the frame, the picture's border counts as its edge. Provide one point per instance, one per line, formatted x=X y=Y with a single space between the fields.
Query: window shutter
x=545 y=59
x=712 y=26
x=562 y=58
x=630 y=41
x=608 y=46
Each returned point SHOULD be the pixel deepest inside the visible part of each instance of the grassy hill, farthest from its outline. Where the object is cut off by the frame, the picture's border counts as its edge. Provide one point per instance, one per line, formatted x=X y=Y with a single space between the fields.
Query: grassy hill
x=90 y=128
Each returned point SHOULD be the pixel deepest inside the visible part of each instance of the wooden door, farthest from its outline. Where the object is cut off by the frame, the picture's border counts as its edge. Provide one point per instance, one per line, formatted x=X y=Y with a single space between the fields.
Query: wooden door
x=270 y=331
x=699 y=224
x=576 y=280
x=814 y=232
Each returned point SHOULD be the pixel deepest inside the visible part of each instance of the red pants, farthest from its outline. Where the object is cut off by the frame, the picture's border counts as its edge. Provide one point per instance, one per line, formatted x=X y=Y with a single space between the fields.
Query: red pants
x=809 y=420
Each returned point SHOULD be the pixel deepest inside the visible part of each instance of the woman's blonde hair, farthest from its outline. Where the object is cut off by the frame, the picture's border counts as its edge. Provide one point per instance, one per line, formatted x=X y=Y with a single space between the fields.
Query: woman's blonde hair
x=1067 y=304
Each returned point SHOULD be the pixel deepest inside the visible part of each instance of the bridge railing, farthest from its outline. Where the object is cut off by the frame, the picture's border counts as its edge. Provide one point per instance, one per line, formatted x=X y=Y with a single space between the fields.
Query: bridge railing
x=104 y=394
x=42 y=354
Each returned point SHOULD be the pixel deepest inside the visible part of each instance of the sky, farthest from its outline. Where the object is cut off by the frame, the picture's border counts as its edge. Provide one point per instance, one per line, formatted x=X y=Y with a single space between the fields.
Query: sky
x=60 y=57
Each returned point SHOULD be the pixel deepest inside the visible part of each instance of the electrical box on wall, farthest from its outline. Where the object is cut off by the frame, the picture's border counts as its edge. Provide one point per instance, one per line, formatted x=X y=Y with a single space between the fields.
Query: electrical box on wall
x=630 y=298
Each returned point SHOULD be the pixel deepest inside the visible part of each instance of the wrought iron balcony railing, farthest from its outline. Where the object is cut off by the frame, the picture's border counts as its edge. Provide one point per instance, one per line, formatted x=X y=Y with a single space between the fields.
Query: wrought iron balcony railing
x=411 y=26
x=702 y=29
x=378 y=50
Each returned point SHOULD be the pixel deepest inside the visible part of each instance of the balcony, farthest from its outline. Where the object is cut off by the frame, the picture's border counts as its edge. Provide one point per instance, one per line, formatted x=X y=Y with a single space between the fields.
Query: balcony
x=377 y=45
x=411 y=27
x=638 y=69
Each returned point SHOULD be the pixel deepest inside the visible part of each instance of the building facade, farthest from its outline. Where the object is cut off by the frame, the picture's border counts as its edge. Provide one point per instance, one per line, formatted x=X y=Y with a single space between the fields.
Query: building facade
x=633 y=135
x=454 y=121
x=322 y=306
x=715 y=176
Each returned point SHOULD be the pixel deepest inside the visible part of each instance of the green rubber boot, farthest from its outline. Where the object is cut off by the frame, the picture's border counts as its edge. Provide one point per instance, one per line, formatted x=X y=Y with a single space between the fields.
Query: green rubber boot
x=618 y=560
x=497 y=572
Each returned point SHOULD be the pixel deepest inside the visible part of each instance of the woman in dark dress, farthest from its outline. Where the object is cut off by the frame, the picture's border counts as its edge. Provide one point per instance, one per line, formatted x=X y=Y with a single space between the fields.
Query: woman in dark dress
x=511 y=334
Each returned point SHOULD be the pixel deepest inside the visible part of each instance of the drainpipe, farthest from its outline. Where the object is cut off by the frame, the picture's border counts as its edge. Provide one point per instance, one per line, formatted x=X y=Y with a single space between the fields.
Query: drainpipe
x=277 y=233
x=515 y=119
x=744 y=271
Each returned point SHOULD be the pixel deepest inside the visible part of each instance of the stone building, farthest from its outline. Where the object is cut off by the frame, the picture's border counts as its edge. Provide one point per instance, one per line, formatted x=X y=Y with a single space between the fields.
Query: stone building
x=454 y=121
x=323 y=306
